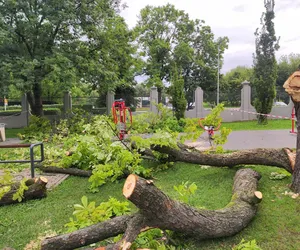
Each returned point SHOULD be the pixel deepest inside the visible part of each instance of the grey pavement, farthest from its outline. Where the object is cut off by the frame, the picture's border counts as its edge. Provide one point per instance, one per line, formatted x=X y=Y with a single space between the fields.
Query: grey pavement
x=250 y=139
x=260 y=139
x=10 y=141
x=54 y=179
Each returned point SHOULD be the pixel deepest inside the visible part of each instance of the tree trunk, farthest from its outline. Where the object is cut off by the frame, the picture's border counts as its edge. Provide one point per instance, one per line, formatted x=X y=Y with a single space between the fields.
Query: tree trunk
x=35 y=100
x=270 y=157
x=70 y=171
x=157 y=210
x=296 y=175
x=36 y=190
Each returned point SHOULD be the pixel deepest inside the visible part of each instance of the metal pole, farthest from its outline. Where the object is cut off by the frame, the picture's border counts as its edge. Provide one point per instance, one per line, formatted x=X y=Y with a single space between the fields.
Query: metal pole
x=218 y=84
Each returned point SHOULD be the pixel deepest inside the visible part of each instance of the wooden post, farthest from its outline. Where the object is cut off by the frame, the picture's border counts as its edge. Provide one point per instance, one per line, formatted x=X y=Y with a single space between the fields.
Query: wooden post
x=2 y=132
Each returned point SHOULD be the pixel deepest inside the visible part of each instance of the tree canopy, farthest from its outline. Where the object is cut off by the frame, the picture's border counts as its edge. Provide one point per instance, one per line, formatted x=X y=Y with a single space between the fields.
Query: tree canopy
x=169 y=38
x=231 y=85
x=61 y=42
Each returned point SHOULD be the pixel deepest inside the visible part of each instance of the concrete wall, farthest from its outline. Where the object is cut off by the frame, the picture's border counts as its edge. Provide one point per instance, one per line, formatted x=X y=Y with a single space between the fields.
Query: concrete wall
x=229 y=115
x=22 y=120
x=244 y=113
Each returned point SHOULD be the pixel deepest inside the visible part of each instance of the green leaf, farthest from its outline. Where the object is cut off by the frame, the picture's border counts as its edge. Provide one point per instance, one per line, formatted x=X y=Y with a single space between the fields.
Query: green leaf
x=84 y=201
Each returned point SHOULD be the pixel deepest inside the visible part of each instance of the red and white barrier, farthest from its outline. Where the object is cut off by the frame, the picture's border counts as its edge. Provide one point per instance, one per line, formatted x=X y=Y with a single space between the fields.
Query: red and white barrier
x=268 y=115
x=292 y=118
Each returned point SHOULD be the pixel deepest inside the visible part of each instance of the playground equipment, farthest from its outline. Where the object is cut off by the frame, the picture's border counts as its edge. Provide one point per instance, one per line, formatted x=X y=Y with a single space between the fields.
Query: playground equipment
x=32 y=160
x=293 y=122
x=210 y=129
x=119 y=111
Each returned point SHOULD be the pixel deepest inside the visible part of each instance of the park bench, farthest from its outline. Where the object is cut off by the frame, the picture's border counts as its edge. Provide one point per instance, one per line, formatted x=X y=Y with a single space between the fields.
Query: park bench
x=32 y=160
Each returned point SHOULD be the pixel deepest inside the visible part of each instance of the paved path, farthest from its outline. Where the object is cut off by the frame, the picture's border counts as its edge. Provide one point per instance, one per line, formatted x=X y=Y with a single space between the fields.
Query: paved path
x=260 y=139
x=10 y=141
x=53 y=179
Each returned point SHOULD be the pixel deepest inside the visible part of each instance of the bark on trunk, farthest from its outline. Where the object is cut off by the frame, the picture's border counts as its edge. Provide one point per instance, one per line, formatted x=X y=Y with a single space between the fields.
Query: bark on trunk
x=157 y=210
x=296 y=175
x=88 y=235
x=70 y=171
x=165 y=213
x=35 y=100
x=270 y=157
x=36 y=190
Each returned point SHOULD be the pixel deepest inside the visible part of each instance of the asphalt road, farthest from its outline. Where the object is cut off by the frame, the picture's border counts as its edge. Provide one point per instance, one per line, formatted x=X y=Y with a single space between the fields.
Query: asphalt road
x=260 y=139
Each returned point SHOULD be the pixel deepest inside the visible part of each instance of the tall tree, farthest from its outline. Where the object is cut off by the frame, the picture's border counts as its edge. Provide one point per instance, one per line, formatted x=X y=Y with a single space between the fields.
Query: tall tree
x=231 y=86
x=197 y=55
x=59 y=42
x=265 y=65
x=156 y=31
x=176 y=91
x=169 y=36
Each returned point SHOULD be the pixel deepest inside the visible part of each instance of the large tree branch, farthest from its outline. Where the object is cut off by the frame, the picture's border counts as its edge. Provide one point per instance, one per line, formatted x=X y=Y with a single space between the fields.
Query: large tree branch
x=157 y=210
x=53 y=36
x=70 y=171
x=25 y=42
x=88 y=235
x=261 y=156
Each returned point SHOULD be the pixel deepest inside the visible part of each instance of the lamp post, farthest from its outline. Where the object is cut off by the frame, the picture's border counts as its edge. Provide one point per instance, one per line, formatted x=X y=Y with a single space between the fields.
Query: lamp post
x=218 y=83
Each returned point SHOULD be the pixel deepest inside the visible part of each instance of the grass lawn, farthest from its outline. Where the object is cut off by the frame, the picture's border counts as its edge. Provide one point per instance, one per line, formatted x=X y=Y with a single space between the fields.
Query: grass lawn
x=276 y=225
x=252 y=125
x=13 y=132
x=143 y=109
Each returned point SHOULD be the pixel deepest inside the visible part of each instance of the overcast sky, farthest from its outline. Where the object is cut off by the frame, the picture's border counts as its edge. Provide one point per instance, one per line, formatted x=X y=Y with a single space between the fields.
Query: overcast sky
x=237 y=19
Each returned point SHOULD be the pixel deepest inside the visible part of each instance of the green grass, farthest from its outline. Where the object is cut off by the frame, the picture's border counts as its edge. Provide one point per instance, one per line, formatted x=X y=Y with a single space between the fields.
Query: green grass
x=276 y=225
x=143 y=109
x=13 y=132
x=252 y=125
x=21 y=223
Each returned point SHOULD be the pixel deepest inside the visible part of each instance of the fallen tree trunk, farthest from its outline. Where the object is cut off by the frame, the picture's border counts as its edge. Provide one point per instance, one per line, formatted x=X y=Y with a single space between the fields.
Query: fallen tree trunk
x=70 y=171
x=282 y=158
x=157 y=210
x=36 y=190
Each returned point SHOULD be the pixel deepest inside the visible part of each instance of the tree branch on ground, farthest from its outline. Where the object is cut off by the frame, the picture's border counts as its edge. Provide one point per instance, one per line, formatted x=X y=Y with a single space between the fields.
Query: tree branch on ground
x=157 y=210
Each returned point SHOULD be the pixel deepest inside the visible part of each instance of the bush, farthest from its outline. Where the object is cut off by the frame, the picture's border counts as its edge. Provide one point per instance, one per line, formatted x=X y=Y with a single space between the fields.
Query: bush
x=39 y=129
x=150 y=122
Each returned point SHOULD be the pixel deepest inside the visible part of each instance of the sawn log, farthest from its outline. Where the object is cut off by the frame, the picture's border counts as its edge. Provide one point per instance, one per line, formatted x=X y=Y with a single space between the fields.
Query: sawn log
x=36 y=190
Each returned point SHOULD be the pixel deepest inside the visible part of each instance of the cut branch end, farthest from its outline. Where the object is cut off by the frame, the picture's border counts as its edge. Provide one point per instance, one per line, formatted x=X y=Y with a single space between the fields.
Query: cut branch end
x=129 y=185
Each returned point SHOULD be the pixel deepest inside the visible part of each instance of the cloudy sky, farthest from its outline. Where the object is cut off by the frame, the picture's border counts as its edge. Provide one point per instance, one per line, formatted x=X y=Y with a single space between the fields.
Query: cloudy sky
x=237 y=19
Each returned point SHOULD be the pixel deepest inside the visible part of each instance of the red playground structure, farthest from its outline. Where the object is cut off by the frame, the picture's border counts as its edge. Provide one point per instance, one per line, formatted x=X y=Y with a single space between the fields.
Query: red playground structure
x=119 y=111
